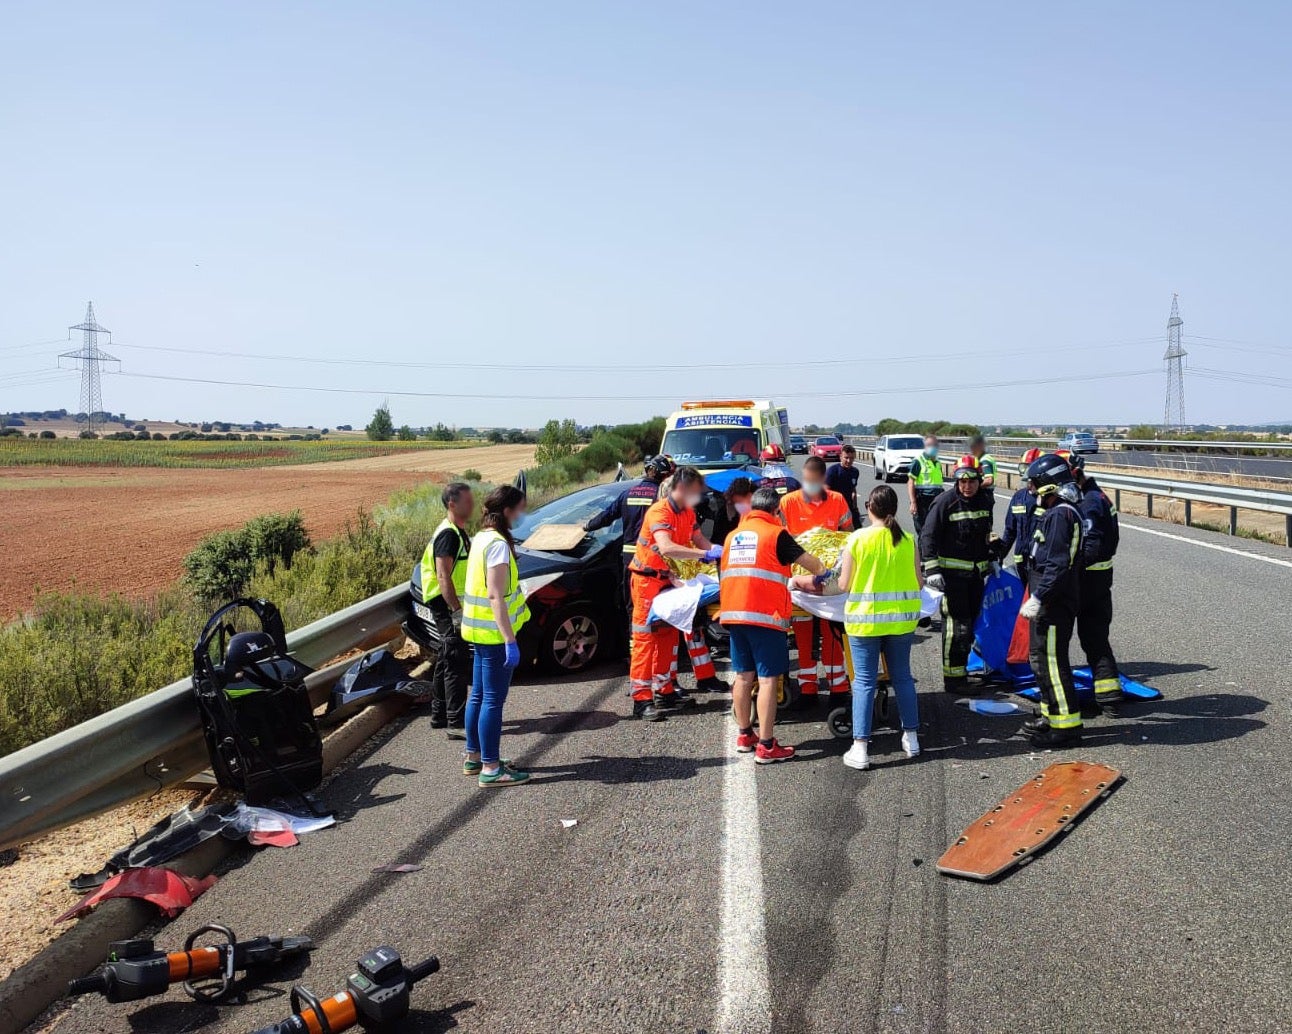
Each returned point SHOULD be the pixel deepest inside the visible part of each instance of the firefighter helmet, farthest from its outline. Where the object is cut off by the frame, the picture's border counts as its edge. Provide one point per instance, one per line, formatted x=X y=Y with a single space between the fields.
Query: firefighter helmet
x=773 y=454
x=1029 y=457
x=1051 y=473
x=967 y=467
x=659 y=467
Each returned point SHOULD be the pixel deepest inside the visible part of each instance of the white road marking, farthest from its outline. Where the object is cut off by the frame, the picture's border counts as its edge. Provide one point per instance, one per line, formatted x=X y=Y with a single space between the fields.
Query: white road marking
x=1209 y=545
x=746 y=1005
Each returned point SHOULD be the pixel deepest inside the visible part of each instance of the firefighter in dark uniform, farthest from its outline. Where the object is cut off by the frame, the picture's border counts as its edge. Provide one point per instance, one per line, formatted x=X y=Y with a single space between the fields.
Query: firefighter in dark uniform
x=1054 y=581
x=631 y=508
x=1100 y=537
x=956 y=552
x=1020 y=518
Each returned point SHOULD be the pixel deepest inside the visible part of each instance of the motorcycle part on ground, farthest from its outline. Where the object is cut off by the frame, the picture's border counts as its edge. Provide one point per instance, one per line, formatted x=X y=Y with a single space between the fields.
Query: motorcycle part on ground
x=376 y=995
x=136 y=970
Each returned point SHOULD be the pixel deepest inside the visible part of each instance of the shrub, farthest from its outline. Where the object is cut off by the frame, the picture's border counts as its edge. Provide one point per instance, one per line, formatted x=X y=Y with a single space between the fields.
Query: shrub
x=471 y=474
x=221 y=566
x=275 y=538
x=47 y=434
x=158 y=436
x=557 y=440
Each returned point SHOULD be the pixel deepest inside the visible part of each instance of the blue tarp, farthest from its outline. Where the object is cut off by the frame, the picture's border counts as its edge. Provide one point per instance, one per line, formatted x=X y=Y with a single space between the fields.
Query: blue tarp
x=1002 y=597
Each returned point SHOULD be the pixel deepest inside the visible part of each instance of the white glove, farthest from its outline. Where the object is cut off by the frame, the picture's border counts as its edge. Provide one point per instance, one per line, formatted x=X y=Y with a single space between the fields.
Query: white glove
x=936 y=581
x=1031 y=608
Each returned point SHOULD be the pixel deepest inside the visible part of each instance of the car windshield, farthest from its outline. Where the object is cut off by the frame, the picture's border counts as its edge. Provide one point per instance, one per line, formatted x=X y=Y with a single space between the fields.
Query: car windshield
x=575 y=508
x=713 y=446
x=827 y=441
x=906 y=443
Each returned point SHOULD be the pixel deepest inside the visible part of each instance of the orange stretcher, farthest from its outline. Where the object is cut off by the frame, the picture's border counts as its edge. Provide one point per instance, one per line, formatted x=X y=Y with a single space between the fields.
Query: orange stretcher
x=1028 y=819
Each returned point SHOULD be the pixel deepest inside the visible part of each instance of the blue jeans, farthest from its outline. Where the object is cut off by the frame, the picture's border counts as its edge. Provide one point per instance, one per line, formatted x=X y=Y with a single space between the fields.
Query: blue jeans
x=865 y=675
x=491 y=679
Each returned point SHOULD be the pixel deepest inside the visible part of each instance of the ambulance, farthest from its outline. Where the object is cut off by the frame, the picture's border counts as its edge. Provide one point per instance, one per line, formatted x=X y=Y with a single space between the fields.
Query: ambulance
x=725 y=434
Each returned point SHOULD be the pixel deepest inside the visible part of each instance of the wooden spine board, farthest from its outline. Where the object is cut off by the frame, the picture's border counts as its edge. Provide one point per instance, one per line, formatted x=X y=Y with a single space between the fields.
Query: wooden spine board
x=1027 y=820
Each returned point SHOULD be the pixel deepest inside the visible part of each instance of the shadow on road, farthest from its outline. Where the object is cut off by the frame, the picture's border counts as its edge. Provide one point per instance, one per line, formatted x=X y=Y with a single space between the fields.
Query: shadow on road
x=612 y=771
x=361 y=789
x=423 y=1021
x=592 y=721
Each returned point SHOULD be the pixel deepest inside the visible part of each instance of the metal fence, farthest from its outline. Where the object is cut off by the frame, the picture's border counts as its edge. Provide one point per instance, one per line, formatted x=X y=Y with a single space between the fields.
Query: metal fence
x=1280 y=449
x=1233 y=497
x=155 y=741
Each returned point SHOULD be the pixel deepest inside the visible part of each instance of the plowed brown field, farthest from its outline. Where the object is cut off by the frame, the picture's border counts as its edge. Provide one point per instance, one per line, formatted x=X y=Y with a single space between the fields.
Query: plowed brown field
x=126 y=530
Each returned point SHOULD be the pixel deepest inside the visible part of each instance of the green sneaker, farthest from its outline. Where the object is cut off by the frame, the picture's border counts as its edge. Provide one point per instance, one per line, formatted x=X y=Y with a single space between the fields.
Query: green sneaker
x=474 y=768
x=505 y=776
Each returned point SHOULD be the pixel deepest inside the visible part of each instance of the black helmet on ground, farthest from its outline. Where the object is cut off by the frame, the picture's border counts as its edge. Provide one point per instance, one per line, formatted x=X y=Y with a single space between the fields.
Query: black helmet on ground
x=248 y=650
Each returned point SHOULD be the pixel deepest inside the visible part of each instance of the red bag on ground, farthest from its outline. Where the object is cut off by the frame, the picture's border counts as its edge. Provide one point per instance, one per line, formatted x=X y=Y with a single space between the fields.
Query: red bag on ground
x=168 y=890
x=1019 y=643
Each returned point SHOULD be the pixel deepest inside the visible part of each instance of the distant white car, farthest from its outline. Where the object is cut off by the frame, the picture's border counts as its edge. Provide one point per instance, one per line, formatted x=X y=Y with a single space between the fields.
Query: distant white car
x=894 y=453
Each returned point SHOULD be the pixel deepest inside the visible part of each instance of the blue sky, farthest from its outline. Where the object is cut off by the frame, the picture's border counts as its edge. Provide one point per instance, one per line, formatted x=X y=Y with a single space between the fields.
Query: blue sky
x=592 y=198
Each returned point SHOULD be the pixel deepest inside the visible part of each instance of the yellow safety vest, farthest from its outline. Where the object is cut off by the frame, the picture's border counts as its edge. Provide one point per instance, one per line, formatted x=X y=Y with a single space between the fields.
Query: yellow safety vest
x=928 y=474
x=884 y=597
x=478 y=625
x=431 y=578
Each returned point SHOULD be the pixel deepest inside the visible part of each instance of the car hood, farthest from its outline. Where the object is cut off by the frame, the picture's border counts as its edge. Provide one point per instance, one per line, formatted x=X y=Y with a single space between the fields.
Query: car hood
x=531 y=562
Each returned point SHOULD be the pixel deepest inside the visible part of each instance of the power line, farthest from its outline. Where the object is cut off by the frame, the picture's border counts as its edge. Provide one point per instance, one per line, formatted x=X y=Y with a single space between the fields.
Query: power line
x=855 y=393
x=916 y=357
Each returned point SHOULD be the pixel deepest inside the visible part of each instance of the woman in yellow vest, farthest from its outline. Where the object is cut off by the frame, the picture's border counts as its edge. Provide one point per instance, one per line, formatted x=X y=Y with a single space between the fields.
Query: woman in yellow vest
x=879 y=573
x=493 y=611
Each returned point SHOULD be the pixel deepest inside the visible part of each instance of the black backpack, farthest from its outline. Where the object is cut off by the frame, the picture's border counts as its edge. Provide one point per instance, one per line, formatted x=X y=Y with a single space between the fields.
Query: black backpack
x=259 y=726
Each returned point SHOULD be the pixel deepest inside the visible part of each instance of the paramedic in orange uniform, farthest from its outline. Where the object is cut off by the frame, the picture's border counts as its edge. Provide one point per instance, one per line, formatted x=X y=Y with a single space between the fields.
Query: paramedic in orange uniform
x=668 y=531
x=756 y=582
x=815 y=506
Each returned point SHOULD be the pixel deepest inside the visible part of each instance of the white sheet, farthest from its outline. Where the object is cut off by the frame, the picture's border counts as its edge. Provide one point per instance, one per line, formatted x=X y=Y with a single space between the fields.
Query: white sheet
x=678 y=606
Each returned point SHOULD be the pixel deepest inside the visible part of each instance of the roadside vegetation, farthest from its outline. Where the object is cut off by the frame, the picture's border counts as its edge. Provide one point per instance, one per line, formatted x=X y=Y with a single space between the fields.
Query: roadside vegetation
x=77 y=655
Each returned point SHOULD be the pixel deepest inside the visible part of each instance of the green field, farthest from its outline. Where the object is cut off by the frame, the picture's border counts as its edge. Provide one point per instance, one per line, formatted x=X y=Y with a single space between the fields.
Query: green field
x=79 y=452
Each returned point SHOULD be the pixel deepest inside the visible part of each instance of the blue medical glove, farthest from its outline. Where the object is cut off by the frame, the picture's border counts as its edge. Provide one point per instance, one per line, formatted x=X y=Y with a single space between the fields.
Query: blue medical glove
x=713 y=554
x=513 y=655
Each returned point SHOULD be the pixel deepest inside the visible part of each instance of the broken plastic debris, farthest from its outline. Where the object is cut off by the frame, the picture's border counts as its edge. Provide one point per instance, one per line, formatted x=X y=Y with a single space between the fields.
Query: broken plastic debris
x=1144 y=738
x=569 y=823
x=398 y=867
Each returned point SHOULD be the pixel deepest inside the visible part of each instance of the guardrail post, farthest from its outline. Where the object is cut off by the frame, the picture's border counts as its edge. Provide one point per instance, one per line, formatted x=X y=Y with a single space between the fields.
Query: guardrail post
x=1287 y=529
x=1188 y=513
x=1149 y=497
x=1117 y=498
x=1233 y=520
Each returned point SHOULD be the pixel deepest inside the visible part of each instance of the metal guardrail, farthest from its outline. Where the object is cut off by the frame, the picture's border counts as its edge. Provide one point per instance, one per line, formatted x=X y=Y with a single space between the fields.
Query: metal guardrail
x=155 y=741
x=1234 y=497
x=1116 y=444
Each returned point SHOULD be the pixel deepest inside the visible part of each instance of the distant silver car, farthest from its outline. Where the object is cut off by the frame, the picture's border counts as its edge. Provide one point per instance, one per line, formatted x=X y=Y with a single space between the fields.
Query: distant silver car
x=894 y=453
x=1079 y=443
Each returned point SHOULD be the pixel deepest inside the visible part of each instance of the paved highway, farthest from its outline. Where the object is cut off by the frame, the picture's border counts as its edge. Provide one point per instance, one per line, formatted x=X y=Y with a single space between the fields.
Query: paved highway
x=700 y=893
x=1182 y=462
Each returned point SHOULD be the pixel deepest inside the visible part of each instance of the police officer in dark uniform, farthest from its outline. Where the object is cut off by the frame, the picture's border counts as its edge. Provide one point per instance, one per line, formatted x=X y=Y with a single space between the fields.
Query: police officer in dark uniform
x=1100 y=537
x=1054 y=581
x=631 y=508
x=956 y=552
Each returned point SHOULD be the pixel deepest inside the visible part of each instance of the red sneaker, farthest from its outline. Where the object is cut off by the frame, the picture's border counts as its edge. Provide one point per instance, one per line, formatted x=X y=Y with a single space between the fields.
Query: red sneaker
x=770 y=755
x=746 y=741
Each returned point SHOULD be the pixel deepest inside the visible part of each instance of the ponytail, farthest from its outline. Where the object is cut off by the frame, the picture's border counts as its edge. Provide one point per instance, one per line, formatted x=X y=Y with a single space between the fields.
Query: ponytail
x=883 y=505
x=502 y=498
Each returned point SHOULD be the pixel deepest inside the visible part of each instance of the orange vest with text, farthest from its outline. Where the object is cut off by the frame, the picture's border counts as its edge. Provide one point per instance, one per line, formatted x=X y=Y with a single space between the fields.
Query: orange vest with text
x=754 y=585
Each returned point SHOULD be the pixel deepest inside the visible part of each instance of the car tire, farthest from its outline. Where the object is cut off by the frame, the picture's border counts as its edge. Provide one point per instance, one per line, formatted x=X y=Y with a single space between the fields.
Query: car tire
x=573 y=640
x=879 y=474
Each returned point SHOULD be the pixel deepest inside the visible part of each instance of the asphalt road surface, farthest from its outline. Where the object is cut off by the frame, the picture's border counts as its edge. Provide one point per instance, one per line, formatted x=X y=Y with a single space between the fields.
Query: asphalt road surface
x=698 y=892
x=1271 y=468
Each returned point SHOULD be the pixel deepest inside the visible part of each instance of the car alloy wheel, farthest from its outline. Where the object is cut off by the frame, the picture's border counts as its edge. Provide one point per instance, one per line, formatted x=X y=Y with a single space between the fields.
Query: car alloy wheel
x=574 y=641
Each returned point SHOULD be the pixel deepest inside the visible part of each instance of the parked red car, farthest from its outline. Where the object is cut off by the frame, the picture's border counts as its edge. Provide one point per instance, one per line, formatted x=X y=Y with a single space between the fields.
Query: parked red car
x=828 y=448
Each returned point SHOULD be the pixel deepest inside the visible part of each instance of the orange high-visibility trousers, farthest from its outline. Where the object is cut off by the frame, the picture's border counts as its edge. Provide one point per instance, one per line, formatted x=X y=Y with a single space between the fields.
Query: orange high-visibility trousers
x=701 y=659
x=831 y=656
x=653 y=652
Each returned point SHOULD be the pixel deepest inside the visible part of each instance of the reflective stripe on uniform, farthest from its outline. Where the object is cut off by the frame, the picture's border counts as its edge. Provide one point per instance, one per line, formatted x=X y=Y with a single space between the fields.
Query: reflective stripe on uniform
x=753 y=617
x=881 y=597
x=968 y=515
x=1102 y=565
x=954 y=564
x=754 y=572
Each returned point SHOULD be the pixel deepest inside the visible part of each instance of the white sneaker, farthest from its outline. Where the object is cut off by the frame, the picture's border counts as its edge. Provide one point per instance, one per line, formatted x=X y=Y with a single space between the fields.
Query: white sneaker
x=910 y=743
x=858 y=755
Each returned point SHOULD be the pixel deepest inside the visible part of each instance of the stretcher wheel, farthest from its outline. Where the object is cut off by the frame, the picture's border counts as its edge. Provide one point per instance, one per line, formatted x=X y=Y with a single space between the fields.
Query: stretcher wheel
x=839 y=722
